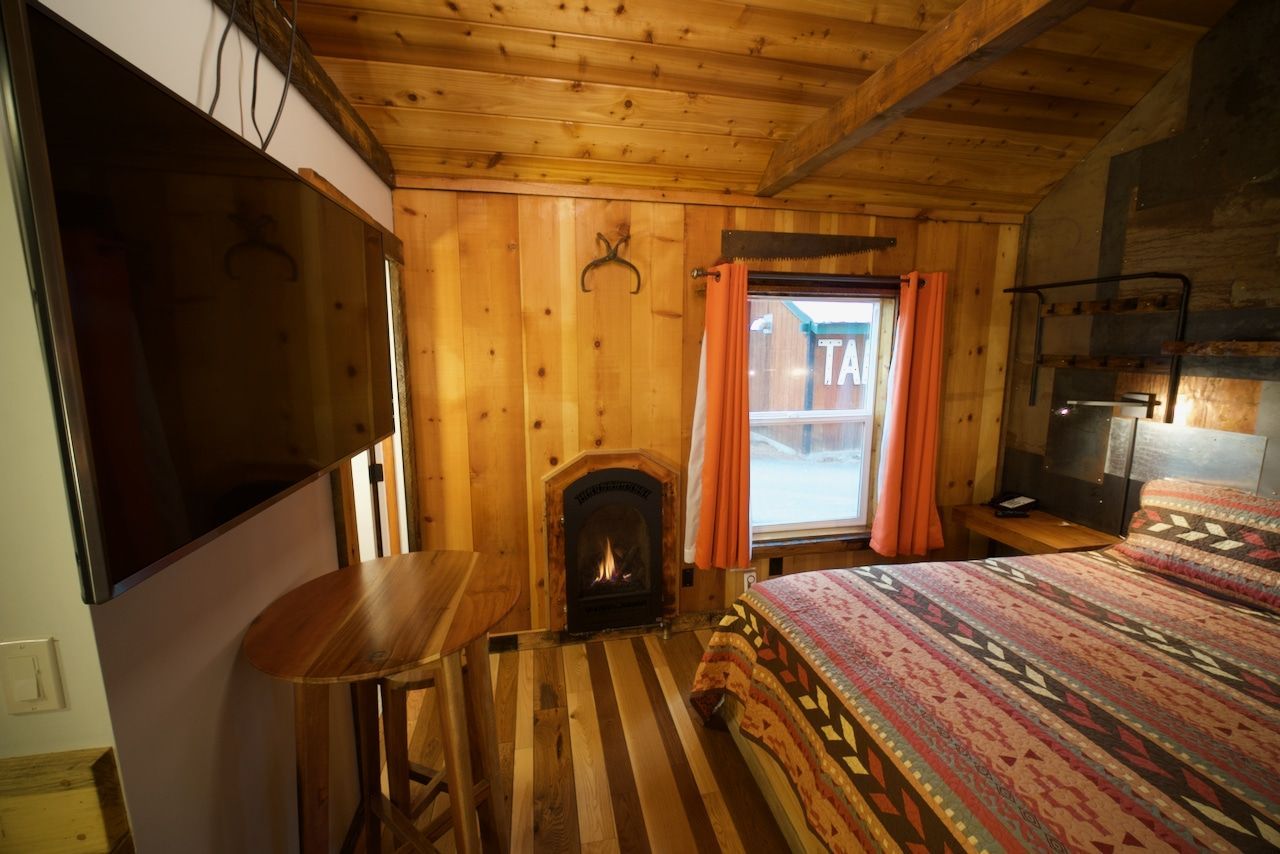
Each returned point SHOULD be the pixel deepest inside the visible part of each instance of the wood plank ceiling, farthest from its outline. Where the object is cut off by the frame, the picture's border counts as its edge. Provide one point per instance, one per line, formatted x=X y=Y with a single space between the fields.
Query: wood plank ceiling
x=698 y=94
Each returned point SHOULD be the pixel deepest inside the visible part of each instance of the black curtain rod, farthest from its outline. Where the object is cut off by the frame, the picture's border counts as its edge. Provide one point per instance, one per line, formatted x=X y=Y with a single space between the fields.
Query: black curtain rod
x=763 y=277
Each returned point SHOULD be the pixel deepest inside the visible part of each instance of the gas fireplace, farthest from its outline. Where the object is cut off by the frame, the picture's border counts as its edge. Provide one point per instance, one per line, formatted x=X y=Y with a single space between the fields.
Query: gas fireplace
x=612 y=541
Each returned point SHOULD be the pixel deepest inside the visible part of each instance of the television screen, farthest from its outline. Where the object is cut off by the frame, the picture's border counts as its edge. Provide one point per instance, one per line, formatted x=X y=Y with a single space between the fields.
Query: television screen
x=227 y=323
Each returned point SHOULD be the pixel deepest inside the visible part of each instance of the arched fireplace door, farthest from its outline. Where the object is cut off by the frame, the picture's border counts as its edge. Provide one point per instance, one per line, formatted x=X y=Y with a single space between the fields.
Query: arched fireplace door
x=615 y=541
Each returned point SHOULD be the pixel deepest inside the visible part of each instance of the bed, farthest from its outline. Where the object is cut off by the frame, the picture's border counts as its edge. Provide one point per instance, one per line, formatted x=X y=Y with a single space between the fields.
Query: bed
x=1108 y=701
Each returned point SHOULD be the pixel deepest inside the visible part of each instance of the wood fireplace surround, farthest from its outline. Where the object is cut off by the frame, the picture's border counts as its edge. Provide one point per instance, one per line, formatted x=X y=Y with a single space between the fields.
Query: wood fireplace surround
x=612 y=541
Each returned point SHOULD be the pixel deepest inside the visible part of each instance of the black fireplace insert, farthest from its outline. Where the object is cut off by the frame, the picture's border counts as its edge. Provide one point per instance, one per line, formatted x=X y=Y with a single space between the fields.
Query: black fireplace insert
x=613 y=550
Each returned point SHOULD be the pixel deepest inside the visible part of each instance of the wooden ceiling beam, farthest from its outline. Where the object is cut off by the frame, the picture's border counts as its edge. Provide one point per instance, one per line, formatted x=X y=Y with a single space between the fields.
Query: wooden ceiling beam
x=969 y=39
x=695 y=197
x=867 y=188
x=593 y=148
x=974 y=112
x=378 y=84
x=589 y=144
x=311 y=81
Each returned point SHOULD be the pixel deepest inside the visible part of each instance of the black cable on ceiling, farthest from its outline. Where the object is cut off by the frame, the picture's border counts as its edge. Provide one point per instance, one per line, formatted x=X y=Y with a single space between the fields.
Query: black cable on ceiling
x=263 y=142
x=222 y=43
x=257 y=55
x=288 y=73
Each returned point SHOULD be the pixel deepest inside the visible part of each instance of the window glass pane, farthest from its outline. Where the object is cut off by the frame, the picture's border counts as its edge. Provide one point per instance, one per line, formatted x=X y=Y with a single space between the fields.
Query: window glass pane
x=806 y=473
x=810 y=355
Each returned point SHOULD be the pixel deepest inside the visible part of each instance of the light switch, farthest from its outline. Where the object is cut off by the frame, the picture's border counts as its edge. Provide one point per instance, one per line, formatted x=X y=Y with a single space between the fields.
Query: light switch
x=24 y=676
x=32 y=682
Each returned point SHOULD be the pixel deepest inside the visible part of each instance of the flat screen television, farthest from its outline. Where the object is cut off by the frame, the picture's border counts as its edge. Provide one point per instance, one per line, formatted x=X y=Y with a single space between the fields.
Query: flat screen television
x=216 y=328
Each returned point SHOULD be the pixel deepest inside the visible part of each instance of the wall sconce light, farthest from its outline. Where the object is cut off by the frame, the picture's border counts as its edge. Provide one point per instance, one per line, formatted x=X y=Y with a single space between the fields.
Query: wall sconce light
x=1145 y=400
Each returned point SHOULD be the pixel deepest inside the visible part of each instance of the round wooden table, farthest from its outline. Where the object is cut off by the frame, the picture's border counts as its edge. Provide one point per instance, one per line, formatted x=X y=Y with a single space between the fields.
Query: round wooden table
x=359 y=624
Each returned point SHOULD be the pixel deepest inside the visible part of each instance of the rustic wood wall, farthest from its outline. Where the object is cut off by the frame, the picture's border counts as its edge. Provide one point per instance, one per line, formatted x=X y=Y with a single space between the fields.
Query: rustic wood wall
x=1184 y=183
x=514 y=370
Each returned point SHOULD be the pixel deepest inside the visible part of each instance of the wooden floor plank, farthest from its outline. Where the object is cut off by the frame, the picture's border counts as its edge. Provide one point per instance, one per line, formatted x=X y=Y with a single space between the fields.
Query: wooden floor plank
x=504 y=695
x=684 y=719
x=522 y=761
x=506 y=678
x=722 y=821
x=590 y=776
x=413 y=709
x=695 y=810
x=747 y=806
x=555 y=809
x=605 y=755
x=669 y=830
x=628 y=816
x=676 y=705
x=424 y=733
x=548 y=679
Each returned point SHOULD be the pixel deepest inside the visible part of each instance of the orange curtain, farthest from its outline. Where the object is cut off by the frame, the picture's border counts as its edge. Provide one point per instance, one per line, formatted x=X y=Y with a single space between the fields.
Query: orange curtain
x=907 y=519
x=717 y=509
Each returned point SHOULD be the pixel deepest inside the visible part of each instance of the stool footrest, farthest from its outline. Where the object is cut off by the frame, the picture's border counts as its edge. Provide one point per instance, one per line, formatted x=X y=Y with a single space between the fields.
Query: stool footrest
x=465 y=704
x=423 y=774
x=435 y=785
x=421 y=677
x=402 y=828
x=443 y=822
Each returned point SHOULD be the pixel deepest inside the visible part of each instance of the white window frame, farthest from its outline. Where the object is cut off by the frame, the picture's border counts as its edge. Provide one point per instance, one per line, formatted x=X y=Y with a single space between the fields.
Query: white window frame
x=864 y=416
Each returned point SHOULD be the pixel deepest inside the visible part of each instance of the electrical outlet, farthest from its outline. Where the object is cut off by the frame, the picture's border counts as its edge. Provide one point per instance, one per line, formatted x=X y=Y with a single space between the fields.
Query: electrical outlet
x=686 y=577
x=32 y=681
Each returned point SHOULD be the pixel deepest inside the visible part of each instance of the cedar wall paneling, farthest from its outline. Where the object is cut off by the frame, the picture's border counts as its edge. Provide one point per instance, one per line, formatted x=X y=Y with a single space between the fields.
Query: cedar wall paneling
x=514 y=370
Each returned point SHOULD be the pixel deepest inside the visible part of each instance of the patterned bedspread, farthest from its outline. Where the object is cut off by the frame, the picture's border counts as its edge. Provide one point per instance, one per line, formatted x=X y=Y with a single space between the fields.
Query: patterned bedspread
x=1052 y=703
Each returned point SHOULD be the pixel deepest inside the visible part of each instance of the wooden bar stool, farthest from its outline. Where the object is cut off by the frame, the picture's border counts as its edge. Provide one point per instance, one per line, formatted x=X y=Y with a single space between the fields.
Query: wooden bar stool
x=469 y=738
x=360 y=625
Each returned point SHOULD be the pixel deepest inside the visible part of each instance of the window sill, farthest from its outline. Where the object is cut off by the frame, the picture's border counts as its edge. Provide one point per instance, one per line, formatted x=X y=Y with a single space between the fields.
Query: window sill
x=791 y=543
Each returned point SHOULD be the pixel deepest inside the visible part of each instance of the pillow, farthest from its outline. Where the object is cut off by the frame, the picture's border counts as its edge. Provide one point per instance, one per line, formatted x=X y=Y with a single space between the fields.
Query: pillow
x=1219 y=540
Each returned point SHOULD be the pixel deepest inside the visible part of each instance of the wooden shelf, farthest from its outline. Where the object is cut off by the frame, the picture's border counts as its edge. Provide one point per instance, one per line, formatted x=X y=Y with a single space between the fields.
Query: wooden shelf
x=1152 y=364
x=1037 y=533
x=1145 y=302
x=1122 y=305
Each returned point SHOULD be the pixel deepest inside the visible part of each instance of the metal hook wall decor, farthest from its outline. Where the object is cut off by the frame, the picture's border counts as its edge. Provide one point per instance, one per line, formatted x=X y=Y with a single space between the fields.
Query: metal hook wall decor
x=609 y=257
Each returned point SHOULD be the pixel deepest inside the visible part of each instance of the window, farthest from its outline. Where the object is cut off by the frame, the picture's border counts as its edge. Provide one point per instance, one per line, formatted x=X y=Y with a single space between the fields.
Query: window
x=812 y=387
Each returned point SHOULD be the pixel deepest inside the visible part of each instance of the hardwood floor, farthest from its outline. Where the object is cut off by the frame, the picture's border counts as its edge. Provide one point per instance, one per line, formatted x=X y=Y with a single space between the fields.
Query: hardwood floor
x=603 y=753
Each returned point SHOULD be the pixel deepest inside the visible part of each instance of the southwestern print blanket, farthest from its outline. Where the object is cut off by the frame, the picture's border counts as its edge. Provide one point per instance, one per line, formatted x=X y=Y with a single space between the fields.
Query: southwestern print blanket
x=1050 y=703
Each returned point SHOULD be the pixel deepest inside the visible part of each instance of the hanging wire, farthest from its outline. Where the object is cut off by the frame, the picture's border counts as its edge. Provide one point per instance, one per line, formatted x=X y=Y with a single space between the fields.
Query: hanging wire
x=263 y=142
x=288 y=73
x=257 y=55
x=222 y=43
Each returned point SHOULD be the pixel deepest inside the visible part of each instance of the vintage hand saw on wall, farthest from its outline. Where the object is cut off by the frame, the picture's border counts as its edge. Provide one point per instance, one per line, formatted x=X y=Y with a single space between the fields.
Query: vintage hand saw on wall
x=780 y=245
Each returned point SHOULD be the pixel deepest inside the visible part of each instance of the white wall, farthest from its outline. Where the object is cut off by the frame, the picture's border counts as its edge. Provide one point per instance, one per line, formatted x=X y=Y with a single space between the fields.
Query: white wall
x=39 y=584
x=204 y=742
x=175 y=41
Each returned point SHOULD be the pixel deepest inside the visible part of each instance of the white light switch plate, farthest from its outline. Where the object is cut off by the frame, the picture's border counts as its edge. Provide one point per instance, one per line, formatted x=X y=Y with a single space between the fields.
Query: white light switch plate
x=30 y=667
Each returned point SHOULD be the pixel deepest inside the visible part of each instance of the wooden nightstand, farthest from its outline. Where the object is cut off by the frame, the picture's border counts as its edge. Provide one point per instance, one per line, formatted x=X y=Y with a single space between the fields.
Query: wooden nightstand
x=1037 y=533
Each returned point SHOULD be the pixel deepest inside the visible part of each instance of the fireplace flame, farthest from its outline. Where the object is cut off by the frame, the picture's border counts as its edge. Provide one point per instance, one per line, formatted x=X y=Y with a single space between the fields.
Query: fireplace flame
x=607 y=569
